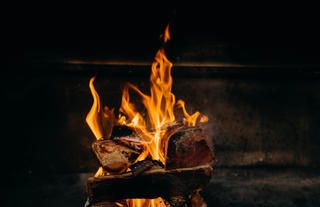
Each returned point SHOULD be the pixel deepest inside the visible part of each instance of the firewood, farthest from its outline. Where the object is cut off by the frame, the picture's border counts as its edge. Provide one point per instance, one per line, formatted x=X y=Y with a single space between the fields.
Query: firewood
x=178 y=201
x=121 y=131
x=144 y=165
x=188 y=147
x=127 y=136
x=132 y=142
x=153 y=183
x=195 y=200
x=114 y=157
x=192 y=200
x=132 y=137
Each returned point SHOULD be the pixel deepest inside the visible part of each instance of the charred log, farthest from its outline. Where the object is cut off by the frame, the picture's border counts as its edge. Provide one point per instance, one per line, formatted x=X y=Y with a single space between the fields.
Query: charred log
x=127 y=136
x=188 y=147
x=178 y=201
x=144 y=165
x=192 y=200
x=195 y=200
x=121 y=131
x=131 y=142
x=114 y=157
x=149 y=184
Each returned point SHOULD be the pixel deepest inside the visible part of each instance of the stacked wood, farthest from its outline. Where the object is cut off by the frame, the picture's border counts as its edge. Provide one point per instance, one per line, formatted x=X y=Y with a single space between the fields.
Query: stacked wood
x=188 y=168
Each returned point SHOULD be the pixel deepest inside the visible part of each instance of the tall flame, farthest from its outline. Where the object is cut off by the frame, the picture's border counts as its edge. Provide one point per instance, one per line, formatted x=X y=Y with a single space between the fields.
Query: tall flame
x=100 y=121
x=160 y=112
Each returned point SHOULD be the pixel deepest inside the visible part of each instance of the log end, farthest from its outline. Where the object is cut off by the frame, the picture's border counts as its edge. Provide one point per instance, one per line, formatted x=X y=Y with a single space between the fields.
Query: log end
x=188 y=148
x=114 y=157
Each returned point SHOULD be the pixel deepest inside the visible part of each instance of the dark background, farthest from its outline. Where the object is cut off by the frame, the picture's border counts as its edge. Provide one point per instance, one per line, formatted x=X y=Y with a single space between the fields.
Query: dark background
x=253 y=69
x=271 y=32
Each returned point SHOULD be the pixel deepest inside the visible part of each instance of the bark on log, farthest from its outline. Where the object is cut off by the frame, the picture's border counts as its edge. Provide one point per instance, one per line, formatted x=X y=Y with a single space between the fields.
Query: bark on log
x=145 y=165
x=188 y=147
x=126 y=136
x=121 y=131
x=114 y=157
x=150 y=184
x=192 y=200
x=196 y=200
x=178 y=201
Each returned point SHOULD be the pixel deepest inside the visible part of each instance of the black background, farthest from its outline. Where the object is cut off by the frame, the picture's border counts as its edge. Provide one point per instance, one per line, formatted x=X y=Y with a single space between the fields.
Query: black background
x=264 y=31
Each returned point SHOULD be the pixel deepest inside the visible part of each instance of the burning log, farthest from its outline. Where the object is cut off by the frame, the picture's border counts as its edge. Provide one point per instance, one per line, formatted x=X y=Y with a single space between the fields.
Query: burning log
x=153 y=183
x=188 y=147
x=187 y=156
x=192 y=200
x=127 y=136
x=121 y=131
x=188 y=168
x=144 y=165
x=196 y=200
x=114 y=157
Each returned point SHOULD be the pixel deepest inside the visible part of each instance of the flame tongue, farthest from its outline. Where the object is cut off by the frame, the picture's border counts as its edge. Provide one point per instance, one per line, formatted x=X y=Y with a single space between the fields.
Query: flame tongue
x=100 y=121
x=159 y=106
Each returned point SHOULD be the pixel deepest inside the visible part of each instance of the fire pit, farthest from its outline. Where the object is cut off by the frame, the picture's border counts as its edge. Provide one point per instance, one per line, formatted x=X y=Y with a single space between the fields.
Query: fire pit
x=149 y=157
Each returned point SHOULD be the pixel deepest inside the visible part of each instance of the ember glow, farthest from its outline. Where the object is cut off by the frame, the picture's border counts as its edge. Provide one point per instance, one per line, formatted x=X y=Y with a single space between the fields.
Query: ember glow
x=160 y=105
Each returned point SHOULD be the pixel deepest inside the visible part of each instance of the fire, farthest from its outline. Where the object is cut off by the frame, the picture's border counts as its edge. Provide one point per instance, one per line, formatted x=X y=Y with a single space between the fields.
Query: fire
x=159 y=105
x=157 y=202
x=101 y=172
x=100 y=121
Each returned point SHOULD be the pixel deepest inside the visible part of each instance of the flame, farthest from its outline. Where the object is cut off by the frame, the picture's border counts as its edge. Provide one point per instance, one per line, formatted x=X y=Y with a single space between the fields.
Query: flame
x=100 y=121
x=119 y=204
x=159 y=105
x=204 y=119
x=101 y=172
x=166 y=36
x=157 y=202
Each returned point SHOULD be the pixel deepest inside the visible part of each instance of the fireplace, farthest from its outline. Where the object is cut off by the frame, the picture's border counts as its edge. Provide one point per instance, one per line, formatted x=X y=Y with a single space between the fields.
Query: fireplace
x=258 y=85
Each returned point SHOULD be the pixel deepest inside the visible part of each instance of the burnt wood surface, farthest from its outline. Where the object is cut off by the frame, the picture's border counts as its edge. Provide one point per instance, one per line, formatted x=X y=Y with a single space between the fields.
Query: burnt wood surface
x=192 y=200
x=149 y=184
x=114 y=157
x=188 y=147
x=196 y=200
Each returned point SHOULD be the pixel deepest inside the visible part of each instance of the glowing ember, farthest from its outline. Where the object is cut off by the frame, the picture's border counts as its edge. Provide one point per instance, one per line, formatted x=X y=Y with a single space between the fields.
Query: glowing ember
x=157 y=202
x=160 y=106
x=101 y=172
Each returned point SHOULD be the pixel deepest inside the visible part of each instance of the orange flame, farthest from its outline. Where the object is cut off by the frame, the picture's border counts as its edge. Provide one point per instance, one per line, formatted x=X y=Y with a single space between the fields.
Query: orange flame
x=157 y=202
x=160 y=112
x=100 y=121
x=159 y=105
x=101 y=172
